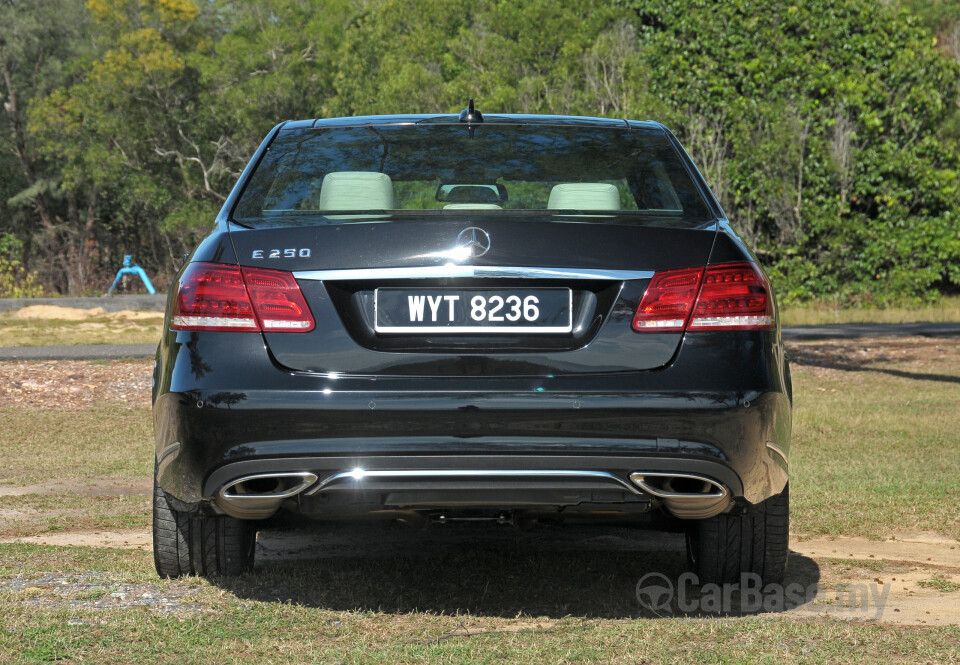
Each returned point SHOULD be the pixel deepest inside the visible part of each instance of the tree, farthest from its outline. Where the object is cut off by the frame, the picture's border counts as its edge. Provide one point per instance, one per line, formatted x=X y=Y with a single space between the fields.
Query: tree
x=127 y=129
x=828 y=128
x=38 y=40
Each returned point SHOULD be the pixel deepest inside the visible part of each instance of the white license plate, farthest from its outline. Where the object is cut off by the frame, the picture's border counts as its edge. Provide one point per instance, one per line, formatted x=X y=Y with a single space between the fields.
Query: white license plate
x=486 y=310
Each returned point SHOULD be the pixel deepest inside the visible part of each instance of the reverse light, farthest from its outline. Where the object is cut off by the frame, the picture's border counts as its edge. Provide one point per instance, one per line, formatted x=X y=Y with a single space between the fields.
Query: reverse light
x=213 y=296
x=733 y=296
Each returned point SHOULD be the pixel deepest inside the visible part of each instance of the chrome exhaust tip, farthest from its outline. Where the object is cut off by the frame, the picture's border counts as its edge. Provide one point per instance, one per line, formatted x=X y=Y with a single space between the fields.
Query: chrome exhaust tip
x=259 y=496
x=685 y=495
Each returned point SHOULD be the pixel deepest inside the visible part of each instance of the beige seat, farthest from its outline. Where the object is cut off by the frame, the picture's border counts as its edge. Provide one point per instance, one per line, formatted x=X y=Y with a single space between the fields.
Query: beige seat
x=584 y=196
x=356 y=190
x=472 y=206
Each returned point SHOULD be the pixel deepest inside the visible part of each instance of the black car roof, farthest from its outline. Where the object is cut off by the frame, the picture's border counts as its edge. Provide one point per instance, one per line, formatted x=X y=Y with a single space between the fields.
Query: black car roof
x=453 y=118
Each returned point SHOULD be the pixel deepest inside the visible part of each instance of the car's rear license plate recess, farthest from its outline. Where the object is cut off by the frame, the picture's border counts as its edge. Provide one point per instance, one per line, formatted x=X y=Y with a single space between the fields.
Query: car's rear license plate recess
x=473 y=310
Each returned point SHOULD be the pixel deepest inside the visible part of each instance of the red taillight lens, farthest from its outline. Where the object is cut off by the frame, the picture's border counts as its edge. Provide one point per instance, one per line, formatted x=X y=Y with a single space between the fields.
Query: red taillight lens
x=732 y=296
x=668 y=301
x=278 y=300
x=213 y=296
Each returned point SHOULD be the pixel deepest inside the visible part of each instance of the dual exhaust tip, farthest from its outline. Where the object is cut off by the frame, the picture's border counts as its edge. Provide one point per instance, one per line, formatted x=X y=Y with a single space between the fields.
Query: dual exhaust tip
x=686 y=496
x=259 y=496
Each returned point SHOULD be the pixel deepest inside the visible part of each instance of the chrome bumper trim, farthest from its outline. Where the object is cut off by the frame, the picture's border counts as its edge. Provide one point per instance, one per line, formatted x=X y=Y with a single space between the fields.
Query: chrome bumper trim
x=358 y=475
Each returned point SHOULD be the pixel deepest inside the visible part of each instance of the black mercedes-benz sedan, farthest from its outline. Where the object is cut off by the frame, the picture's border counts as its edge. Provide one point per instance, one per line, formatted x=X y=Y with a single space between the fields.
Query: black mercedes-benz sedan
x=431 y=318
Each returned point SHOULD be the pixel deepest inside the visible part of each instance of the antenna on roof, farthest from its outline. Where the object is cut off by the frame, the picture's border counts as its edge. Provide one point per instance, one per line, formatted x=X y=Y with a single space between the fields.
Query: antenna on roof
x=470 y=114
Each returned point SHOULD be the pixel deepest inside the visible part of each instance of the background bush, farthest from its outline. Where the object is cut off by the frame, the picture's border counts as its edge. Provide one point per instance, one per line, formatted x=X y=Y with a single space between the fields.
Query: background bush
x=15 y=281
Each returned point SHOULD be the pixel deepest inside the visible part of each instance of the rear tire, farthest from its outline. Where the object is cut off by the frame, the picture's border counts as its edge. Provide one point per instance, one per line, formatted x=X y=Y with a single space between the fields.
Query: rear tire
x=196 y=544
x=726 y=546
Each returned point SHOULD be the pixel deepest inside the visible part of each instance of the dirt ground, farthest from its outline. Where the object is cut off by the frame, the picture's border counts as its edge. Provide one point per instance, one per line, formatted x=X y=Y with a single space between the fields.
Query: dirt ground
x=56 y=313
x=68 y=385
x=859 y=357
x=917 y=576
x=896 y=580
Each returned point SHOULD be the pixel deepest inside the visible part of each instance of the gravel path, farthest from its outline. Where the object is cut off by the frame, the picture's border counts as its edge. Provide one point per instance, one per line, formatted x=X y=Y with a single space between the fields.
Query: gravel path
x=96 y=590
x=854 y=330
x=91 y=352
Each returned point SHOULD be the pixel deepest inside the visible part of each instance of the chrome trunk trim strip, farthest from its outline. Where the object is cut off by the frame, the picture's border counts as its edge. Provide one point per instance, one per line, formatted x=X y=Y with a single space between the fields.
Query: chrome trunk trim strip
x=451 y=270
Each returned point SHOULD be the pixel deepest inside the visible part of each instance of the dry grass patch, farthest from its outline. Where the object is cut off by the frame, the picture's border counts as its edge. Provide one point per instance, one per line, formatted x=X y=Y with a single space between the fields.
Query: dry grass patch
x=824 y=313
x=44 y=514
x=48 y=325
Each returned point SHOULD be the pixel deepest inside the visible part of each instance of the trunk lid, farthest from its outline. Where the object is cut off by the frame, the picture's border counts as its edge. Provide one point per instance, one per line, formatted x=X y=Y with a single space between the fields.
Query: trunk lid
x=605 y=262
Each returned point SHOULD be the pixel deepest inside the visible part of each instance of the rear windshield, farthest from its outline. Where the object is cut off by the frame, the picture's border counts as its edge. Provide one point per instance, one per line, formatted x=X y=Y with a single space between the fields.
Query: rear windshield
x=340 y=174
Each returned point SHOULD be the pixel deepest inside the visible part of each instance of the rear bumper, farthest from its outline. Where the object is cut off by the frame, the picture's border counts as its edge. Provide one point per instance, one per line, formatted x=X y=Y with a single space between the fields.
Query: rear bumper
x=339 y=486
x=223 y=409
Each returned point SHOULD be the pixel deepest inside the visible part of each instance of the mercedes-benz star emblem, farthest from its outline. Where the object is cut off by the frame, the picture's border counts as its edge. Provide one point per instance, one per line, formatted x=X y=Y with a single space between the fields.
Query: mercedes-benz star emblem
x=474 y=241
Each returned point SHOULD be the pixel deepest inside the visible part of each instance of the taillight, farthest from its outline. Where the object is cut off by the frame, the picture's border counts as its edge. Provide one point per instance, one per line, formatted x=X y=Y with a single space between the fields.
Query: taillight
x=277 y=300
x=733 y=296
x=213 y=296
x=668 y=301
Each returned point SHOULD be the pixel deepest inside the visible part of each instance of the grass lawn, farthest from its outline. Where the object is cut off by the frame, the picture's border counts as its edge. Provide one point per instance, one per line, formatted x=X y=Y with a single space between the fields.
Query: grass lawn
x=876 y=440
x=821 y=313
x=270 y=632
x=875 y=453
x=104 y=441
x=414 y=609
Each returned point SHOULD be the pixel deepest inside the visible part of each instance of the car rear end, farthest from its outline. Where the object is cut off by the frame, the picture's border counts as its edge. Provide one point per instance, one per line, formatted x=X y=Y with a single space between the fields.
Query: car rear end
x=427 y=320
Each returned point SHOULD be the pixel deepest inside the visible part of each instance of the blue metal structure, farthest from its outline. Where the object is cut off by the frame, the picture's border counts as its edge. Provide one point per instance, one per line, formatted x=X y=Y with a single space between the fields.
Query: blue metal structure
x=128 y=269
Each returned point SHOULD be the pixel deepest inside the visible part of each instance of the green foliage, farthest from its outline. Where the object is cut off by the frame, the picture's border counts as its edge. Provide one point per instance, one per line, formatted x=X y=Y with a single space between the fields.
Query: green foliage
x=936 y=14
x=823 y=118
x=15 y=281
